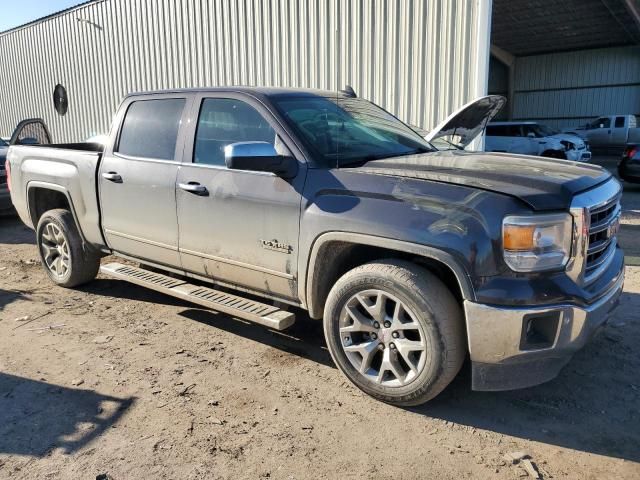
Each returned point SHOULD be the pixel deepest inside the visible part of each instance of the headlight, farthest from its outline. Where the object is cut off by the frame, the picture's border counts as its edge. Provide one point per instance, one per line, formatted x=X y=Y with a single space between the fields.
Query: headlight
x=537 y=242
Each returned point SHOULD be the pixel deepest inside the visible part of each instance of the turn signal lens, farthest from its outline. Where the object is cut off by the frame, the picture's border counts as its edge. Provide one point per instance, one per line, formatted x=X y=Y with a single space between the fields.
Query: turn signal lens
x=518 y=237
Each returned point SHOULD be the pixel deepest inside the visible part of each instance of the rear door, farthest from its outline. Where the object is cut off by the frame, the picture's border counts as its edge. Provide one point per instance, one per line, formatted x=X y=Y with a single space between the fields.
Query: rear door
x=137 y=178
x=238 y=227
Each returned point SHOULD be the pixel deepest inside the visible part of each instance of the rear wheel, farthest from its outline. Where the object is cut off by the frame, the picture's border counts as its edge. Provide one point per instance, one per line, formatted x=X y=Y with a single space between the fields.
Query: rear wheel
x=62 y=252
x=396 y=331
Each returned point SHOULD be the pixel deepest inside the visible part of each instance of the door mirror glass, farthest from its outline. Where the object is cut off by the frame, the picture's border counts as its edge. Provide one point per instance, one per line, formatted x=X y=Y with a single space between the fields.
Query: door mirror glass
x=531 y=135
x=259 y=157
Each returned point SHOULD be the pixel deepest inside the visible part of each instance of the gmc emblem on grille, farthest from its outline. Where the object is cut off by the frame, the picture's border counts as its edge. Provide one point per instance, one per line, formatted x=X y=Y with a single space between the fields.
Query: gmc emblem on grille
x=613 y=229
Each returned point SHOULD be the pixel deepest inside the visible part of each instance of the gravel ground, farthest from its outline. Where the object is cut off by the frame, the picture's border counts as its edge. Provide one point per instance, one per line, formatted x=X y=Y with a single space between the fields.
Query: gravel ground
x=115 y=380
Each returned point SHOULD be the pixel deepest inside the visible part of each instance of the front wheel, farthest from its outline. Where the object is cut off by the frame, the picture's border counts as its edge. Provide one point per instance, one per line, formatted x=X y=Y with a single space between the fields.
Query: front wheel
x=396 y=331
x=64 y=257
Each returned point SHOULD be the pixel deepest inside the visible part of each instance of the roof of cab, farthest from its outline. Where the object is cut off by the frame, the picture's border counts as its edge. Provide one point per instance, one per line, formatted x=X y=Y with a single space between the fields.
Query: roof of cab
x=256 y=91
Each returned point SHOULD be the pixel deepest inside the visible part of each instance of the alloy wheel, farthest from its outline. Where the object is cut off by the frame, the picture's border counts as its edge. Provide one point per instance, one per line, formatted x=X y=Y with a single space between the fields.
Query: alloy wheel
x=382 y=338
x=55 y=250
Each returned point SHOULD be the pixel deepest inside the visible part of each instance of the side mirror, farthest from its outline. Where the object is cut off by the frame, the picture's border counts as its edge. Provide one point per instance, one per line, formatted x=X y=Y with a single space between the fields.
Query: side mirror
x=531 y=135
x=259 y=157
x=28 y=141
x=601 y=125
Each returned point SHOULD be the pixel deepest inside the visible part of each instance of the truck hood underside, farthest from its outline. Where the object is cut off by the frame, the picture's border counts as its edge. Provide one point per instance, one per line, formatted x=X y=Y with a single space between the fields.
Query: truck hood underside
x=544 y=184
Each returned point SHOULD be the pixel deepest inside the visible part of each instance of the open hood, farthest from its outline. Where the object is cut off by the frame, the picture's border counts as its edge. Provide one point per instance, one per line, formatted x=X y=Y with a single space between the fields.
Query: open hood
x=463 y=126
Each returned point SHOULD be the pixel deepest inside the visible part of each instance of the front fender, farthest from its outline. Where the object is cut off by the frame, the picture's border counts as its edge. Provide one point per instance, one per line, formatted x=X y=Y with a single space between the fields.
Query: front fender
x=307 y=288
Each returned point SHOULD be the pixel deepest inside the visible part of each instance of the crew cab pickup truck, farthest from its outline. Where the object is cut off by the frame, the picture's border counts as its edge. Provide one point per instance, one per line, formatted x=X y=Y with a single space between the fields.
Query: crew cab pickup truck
x=247 y=200
x=609 y=132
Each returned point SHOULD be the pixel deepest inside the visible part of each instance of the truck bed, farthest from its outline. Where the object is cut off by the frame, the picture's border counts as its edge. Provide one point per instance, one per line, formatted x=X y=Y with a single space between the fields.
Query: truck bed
x=69 y=168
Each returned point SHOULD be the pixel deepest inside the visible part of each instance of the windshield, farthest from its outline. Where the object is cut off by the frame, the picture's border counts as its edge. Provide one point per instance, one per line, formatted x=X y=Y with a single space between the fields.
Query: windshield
x=543 y=130
x=345 y=131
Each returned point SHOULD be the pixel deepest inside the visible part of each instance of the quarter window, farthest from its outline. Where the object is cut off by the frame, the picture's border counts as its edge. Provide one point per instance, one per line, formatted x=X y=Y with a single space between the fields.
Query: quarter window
x=150 y=128
x=224 y=121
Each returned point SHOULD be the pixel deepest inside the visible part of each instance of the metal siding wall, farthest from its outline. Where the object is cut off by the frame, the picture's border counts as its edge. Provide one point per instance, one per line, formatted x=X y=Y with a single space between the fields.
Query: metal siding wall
x=560 y=84
x=419 y=59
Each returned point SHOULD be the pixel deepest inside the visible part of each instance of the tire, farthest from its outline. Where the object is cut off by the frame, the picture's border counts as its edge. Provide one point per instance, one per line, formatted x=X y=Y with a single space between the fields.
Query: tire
x=432 y=318
x=62 y=252
x=554 y=154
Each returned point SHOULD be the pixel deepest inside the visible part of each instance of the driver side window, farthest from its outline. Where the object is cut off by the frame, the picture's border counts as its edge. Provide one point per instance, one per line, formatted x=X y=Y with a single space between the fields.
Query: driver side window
x=223 y=121
x=604 y=121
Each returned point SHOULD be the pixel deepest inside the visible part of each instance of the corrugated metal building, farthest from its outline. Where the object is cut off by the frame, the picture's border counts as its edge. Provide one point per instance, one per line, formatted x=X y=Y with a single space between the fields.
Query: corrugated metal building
x=565 y=62
x=568 y=89
x=419 y=59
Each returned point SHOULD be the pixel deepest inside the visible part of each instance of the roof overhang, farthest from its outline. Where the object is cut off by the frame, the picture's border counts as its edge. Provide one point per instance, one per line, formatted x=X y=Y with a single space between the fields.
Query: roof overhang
x=530 y=27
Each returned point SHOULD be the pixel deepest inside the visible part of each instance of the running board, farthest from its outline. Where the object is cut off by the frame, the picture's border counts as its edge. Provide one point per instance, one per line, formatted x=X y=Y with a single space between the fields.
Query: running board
x=233 y=305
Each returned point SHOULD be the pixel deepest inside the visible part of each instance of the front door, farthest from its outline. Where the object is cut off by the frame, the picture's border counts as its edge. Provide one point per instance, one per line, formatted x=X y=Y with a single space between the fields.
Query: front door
x=137 y=179
x=619 y=132
x=599 y=132
x=238 y=227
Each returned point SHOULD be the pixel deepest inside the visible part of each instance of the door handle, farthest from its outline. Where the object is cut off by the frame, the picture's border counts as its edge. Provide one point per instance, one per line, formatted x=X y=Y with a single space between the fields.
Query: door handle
x=112 y=177
x=194 y=187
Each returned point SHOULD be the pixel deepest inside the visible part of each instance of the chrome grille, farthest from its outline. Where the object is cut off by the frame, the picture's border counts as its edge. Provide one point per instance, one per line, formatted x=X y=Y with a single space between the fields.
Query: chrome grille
x=603 y=231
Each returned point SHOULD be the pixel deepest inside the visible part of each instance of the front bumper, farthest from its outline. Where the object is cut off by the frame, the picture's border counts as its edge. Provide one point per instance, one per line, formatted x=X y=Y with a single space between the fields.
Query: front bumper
x=502 y=356
x=629 y=171
x=578 y=155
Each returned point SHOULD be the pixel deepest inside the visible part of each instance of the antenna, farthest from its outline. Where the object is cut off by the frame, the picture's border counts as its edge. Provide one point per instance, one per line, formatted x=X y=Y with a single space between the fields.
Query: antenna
x=349 y=91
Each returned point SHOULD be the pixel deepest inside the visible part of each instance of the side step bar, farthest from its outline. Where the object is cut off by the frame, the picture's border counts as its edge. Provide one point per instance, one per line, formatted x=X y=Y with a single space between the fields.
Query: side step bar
x=233 y=305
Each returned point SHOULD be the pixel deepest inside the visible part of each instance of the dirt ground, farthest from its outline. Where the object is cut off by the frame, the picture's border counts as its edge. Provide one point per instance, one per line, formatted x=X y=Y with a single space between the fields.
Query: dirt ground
x=131 y=384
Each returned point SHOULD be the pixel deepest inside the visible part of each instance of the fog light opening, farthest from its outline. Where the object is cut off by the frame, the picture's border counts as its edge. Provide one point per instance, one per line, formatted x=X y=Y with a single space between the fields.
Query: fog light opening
x=539 y=331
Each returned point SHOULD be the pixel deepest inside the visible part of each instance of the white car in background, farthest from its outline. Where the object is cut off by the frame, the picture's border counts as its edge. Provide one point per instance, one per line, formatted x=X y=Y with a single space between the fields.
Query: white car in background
x=532 y=138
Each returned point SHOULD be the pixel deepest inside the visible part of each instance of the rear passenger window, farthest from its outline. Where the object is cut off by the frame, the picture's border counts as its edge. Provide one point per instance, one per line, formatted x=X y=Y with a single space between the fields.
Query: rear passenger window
x=150 y=128
x=619 y=122
x=497 y=131
x=224 y=121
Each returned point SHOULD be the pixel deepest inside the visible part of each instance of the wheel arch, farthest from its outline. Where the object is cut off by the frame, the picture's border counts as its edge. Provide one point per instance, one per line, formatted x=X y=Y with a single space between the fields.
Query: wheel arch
x=335 y=253
x=42 y=196
x=554 y=153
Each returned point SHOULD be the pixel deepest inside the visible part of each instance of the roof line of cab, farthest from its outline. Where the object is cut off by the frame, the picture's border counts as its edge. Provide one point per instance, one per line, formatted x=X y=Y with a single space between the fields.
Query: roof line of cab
x=266 y=91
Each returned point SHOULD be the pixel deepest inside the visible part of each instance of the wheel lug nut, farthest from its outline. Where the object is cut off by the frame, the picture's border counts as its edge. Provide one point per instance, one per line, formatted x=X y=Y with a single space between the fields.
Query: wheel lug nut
x=381 y=346
x=394 y=334
x=376 y=325
x=374 y=336
x=392 y=346
x=387 y=324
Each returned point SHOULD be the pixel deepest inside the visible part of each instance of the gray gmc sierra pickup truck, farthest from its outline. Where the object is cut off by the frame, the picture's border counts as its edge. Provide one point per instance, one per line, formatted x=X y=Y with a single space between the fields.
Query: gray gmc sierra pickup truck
x=413 y=257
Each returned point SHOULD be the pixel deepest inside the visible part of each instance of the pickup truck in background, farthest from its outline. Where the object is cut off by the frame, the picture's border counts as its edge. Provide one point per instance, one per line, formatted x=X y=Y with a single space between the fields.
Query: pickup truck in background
x=532 y=138
x=246 y=200
x=612 y=132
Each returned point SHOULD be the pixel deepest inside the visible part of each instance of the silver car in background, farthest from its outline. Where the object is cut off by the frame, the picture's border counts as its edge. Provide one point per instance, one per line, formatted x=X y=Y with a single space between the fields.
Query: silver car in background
x=532 y=138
